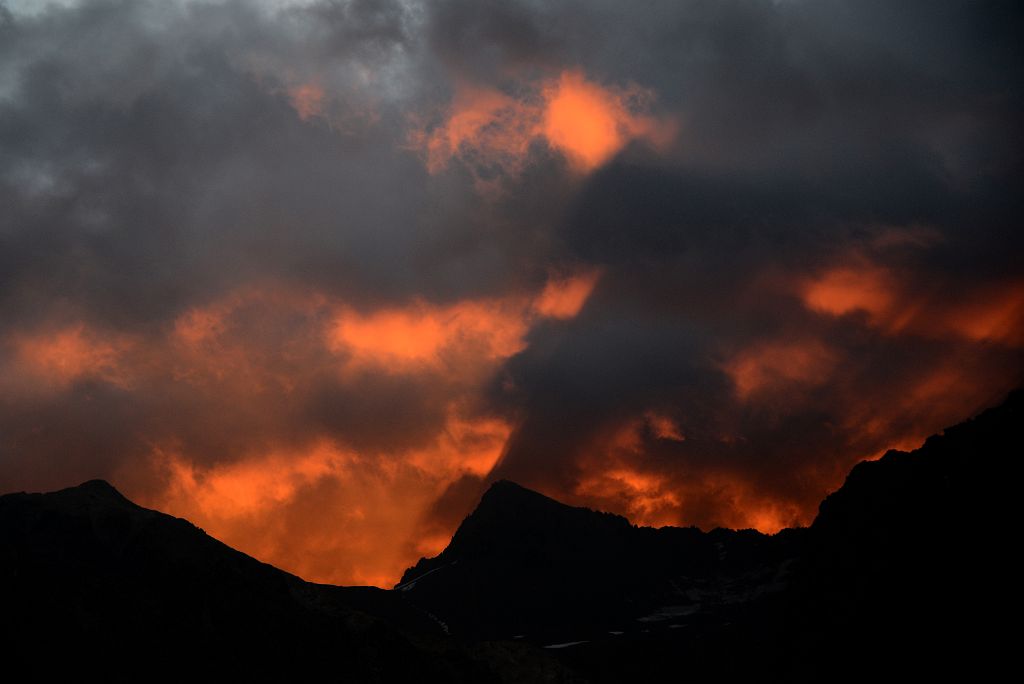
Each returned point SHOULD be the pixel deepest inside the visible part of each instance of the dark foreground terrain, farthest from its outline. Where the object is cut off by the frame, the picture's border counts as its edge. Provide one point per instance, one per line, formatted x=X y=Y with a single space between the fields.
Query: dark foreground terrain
x=903 y=572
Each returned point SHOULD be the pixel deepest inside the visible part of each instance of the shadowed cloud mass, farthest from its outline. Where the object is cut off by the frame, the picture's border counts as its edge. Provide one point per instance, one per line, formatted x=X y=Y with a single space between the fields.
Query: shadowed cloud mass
x=311 y=274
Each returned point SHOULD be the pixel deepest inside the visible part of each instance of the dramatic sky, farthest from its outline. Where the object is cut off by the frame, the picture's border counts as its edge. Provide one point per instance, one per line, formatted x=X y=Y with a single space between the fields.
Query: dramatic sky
x=312 y=273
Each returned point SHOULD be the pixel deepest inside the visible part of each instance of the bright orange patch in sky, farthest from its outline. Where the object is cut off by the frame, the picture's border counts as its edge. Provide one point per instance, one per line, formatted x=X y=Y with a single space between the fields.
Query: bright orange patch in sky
x=465 y=446
x=990 y=313
x=582 y=120
x=615 y=474
x=422 y=333
x=249 y=487
x=483 y=122
x=656 y=500
x=649 y=499
x=426 y=334
x=586 y=122
x=326 y=513
x=768 y=519
x=590 y=124
x=845 y=290
x=415 y=335
x=564 y=297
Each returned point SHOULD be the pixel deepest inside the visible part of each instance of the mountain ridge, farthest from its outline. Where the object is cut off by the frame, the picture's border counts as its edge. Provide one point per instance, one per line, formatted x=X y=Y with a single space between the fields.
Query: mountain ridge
x=898 y=573
x=869 y=575
x=133 y=593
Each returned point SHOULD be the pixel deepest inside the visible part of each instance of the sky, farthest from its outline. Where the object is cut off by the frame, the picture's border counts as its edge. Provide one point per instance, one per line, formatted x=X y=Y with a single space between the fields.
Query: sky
x=312 y=274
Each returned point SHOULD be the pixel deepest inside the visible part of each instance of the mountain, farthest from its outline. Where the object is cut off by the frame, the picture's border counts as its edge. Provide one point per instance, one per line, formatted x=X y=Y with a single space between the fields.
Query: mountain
x=93 y=585
x=911 y=560
x=899 y=572
x=909 y=570
x=525 y=565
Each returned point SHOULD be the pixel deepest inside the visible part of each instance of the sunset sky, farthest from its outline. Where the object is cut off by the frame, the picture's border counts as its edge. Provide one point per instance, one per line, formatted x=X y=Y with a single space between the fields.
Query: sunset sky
x=311 y=274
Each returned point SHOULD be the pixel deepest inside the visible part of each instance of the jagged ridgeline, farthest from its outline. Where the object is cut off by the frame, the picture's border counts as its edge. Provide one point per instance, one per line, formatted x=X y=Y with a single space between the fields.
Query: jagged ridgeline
x=899 y=575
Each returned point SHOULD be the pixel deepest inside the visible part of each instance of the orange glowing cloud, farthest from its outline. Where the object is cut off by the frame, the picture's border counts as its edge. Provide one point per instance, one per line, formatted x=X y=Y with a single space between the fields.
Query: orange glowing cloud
x=588 y=123
x=628 y=468
x=992 y=312
x=664 y=427
x=780 y=365
x=248 y=487
x=327 y=513
x=956 y=386
x=394 y=334
x=470 y=446
x=770 y=517
x=210 y=347
x=741 y=504
x=251 y=468
x=564 y=297
x=309 y=501
x=656 y=500
x=847 y=289
x=65 y=355
x=647 y=498
x=423 y=334
x=199 y=325
x=481 y=122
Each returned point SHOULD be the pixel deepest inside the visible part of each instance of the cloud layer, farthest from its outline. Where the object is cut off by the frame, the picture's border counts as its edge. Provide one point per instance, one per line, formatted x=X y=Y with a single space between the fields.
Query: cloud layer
x=312 y=273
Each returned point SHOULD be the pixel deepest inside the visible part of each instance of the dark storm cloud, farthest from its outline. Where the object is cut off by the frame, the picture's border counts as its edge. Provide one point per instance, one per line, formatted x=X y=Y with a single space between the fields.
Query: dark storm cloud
x=810 y=130
x=152 y=156
x=824 y=260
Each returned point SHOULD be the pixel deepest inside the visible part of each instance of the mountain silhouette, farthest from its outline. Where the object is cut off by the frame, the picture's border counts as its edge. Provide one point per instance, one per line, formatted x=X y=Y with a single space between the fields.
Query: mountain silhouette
x=524 y=564
x=900 y=575
x=908 y=561
x=92 y=584
x=899 y=571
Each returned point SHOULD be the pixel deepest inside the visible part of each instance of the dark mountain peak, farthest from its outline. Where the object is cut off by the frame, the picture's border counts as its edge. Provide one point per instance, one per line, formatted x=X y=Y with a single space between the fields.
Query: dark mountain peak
x=505 y=494
x=97 y=485
x=509 y=514
x=512 y=522
x=99 y=489
x=94 y=497
x=555 y=571
x=505 y=497
x=508 y=489
x=508 y=504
